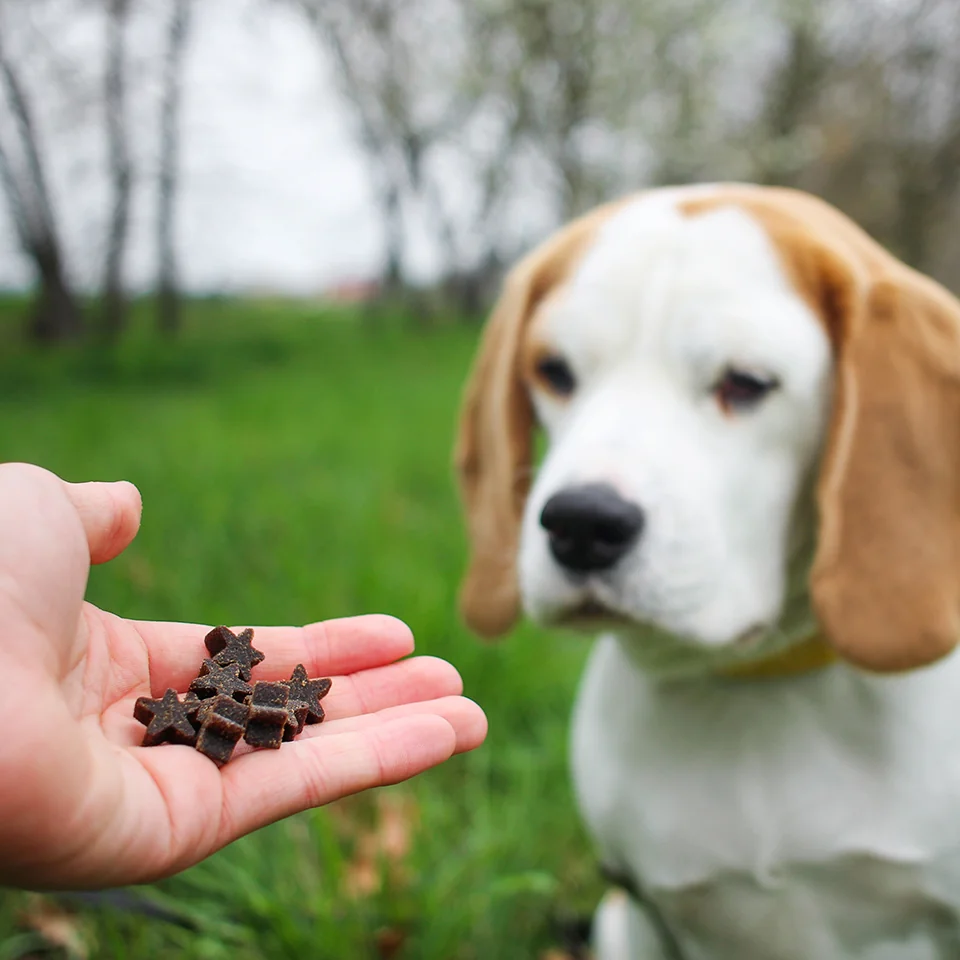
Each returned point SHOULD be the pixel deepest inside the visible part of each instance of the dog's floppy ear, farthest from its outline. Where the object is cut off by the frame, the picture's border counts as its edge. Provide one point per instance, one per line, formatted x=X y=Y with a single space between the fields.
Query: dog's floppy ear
x=885 y=581
x=494 y=449
x=493 y=459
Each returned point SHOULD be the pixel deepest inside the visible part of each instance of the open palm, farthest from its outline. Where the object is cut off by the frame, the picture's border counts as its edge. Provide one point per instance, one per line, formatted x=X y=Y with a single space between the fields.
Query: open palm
x=81 y=803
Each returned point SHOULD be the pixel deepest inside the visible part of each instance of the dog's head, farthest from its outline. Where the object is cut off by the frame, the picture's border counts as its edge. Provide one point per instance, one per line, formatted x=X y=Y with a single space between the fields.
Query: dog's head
x=748 y=404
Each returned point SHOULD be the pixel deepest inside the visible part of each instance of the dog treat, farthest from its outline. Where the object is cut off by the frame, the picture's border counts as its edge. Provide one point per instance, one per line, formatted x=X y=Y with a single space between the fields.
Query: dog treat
x=222 y=706
x=191 y=703
x=215 y=679
x=295 y=720
x=227 y=647
x=222 y=726
x=167 y=720
x=268 y=715
x=305 y=696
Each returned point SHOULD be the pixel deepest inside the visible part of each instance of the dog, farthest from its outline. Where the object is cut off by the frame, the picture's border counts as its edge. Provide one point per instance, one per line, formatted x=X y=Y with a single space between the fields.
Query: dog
x=751 y=492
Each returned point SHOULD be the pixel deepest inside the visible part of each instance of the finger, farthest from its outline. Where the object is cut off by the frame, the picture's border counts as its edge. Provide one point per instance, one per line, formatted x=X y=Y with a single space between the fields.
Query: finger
x=327 y=648
x=409 y=681
x=44 y=560
x=261 y=788
x=110 y=514
x=467 y=719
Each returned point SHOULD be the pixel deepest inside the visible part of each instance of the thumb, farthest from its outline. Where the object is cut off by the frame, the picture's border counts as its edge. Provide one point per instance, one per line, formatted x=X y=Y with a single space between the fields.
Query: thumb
x=110 y=514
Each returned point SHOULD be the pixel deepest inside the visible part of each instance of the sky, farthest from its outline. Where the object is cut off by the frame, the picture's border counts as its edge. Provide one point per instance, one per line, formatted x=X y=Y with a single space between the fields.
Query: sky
x=275 y=193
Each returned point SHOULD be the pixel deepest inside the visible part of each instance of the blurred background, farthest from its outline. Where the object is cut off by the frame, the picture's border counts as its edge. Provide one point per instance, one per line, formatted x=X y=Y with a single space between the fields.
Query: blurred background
x=245 y=248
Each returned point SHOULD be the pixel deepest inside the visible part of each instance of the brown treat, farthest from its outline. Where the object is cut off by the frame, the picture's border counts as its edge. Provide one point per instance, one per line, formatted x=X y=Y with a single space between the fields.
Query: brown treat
x=305 y=695
x=295 y=721
x=221 y=728
x=191 y=703
x=144 y=709
x=215 y=679
x=203 y=708
x=268 y=715
x=167 y=720
x=226 y=647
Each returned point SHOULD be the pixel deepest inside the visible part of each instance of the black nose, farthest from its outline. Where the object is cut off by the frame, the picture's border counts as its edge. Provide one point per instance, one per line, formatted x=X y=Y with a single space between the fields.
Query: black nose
x=591 y=527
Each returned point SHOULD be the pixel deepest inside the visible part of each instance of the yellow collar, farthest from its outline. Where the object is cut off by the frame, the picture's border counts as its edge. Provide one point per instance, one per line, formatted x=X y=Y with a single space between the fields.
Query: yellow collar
x=811 y=654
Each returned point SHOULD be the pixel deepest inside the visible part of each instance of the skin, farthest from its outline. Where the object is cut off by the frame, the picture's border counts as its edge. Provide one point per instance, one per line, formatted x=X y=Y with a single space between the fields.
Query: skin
x=81 y=803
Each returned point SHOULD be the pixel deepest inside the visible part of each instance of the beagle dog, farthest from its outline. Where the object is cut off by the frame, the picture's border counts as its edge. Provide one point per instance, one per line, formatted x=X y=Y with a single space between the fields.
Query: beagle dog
x=751 y=492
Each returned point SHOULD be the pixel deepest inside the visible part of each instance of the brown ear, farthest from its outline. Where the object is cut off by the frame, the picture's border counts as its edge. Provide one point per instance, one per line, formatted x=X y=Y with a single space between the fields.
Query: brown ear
x=493 y=461
x=495 y=443
x=886 y=577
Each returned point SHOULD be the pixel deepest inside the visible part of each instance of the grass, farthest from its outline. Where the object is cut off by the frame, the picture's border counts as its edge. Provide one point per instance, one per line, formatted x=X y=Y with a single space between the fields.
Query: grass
x=294 y=465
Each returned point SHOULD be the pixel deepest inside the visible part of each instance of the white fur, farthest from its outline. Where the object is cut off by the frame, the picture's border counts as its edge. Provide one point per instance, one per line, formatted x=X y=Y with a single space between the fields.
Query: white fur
x=808 y=818
x=659 y=307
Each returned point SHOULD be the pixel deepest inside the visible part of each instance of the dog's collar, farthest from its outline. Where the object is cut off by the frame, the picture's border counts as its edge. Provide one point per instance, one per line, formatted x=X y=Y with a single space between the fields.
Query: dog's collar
x=811 y=654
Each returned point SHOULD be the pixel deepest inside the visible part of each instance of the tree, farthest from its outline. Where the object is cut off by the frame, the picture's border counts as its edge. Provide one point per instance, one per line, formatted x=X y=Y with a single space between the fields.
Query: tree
x=381 y=66
x=168 y=283
x=554 y=85
x=55 y=314
x=476 y=114
x=467 y=109
x=119 y=167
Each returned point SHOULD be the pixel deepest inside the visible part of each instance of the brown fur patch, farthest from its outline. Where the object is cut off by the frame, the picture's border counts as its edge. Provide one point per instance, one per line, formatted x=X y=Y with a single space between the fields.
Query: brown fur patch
x=886 y=577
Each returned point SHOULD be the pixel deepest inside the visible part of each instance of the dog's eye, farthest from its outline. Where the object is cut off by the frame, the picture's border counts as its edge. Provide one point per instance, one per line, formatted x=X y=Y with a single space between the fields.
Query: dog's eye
x=739 y=390
x=556 y=373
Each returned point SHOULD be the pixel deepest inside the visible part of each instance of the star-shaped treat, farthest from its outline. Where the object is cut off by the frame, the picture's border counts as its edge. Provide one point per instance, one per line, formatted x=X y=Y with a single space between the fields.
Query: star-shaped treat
x=167 y=720
x=269 y=715
x=294 y=723
x=305 y=697
x=226 y=647
x=215 y=680
x=223 y=704
x=223 y=723
x=191 y=703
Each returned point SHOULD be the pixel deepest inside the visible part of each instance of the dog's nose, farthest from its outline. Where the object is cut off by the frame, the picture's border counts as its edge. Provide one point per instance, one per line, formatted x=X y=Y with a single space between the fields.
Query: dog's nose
x=590 y=527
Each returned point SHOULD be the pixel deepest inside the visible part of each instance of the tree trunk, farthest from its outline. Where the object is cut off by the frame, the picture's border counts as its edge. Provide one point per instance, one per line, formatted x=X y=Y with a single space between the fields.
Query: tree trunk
x=793 y=92
x=392 y=214
x=118 y=153
x=168 y=283
x=56 y=313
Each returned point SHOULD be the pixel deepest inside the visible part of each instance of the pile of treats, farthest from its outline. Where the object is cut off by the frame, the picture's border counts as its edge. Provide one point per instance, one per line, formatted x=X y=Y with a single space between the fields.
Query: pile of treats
x=222 y=705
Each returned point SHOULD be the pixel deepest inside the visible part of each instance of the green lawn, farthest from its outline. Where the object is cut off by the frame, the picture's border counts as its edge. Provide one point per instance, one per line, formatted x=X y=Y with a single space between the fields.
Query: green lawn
x=294 y=466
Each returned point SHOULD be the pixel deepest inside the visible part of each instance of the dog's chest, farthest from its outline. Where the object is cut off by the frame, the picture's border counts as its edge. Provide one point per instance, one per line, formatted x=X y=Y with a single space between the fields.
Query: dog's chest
x=795 y=820
x=851 y=907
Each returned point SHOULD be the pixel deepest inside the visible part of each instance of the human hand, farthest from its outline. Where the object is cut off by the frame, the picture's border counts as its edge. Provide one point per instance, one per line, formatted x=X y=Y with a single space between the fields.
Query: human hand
x=81 y=803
